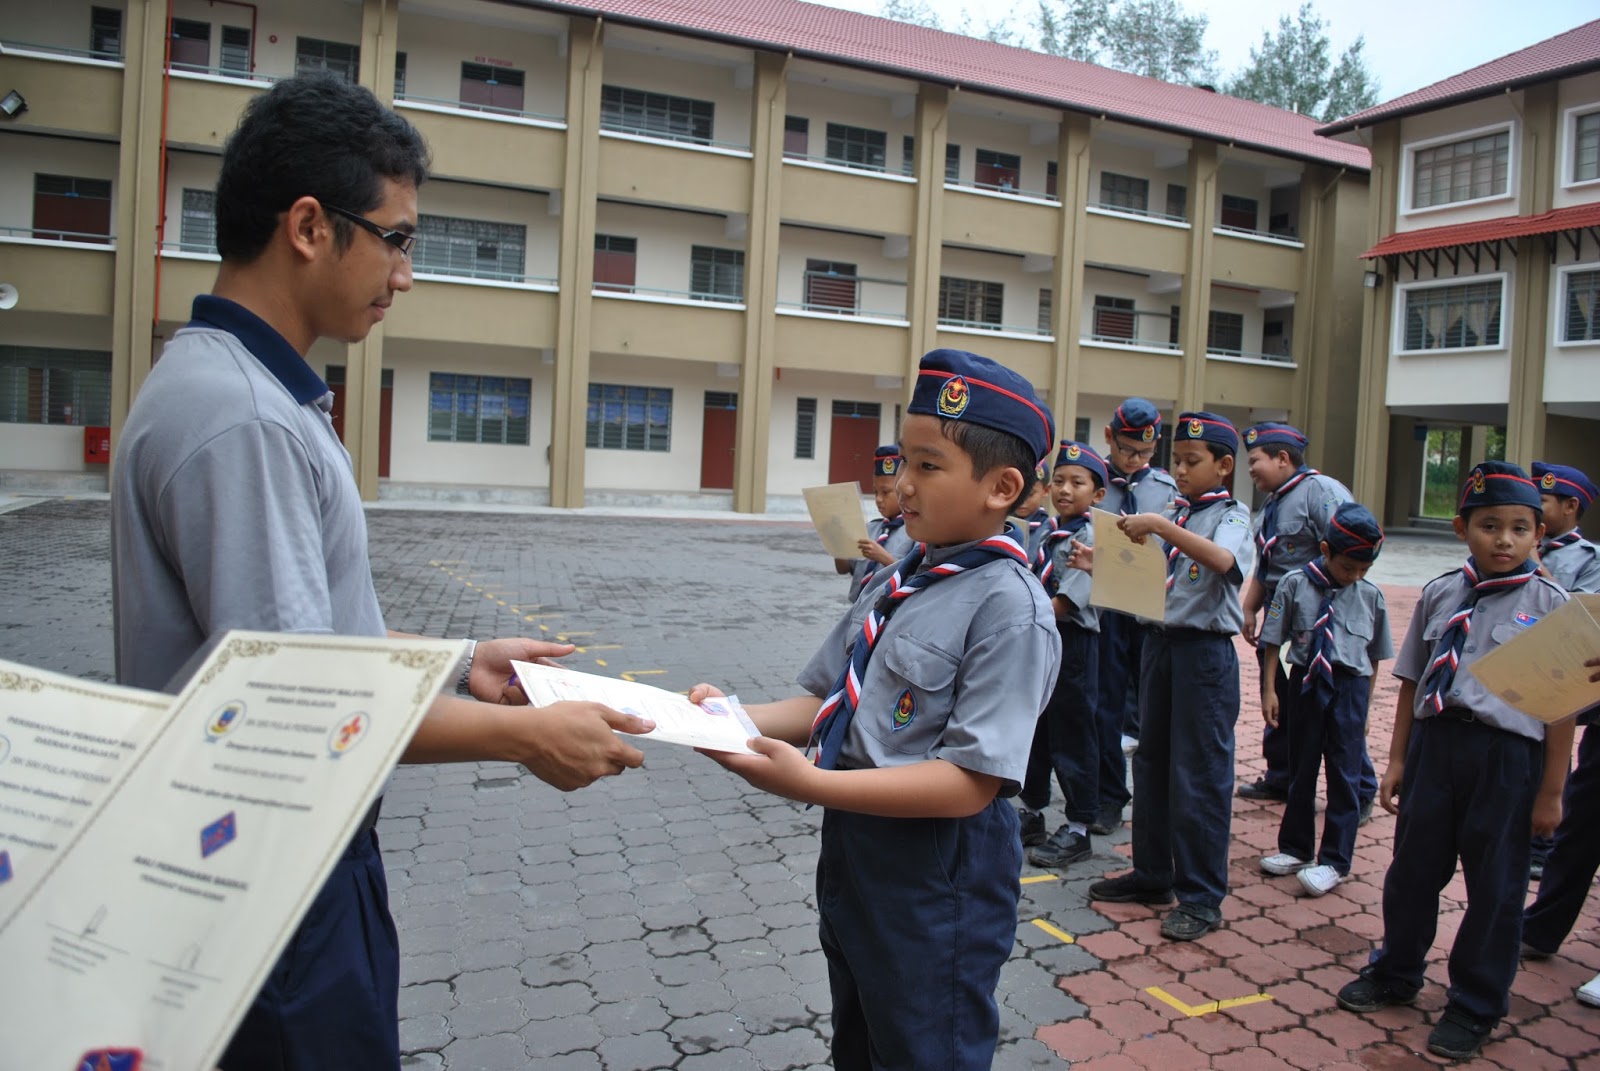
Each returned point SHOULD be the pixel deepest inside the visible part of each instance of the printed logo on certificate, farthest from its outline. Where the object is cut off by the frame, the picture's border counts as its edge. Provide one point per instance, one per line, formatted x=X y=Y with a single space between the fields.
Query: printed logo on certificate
x=347 y=733
x=228 y=717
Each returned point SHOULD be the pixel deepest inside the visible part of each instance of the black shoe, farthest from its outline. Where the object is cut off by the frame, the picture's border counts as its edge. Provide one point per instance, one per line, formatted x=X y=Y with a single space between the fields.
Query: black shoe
x=1062 y=849
x=1108 y=821
x=1535 y=869
x=1534 y=952
x=1458 y=1035
x=1129 y=889
x=1365 y=815
x=1262 y=790
x=1369 y=993
x=1033 y=830
x=1185 y=923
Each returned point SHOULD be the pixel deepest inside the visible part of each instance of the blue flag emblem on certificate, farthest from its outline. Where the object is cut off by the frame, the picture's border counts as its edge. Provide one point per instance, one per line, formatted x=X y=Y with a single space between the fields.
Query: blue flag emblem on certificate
x=218 y=834
x=5 y=867
x=111 y=1060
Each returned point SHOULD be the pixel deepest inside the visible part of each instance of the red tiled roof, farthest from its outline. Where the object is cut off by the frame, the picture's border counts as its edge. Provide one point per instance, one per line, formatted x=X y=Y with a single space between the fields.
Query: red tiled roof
x=1489 y=230
x=1564 y=54
x=826 y=33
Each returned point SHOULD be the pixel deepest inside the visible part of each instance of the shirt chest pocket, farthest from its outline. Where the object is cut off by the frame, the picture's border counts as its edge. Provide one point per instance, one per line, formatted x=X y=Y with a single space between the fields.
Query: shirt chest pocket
x=1356 y=620
x=909 y=699
x=1504 y=633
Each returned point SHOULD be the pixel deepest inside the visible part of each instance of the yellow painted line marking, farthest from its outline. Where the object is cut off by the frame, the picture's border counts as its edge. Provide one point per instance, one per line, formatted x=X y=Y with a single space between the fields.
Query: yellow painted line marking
x=500 y=602
x=544 y=628
x=535 y=617
x=1061 y=935
x=635 y=674
x=1192 y=1010
x=568 y=635
x=1035 y=879
x=599 y=647
x=599 y=661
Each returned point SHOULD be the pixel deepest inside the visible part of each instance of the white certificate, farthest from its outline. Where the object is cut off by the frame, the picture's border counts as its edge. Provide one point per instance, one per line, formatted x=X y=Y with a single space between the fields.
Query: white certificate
x=63 y=741
x=1128 y=576
x=836 y=514
x=719 y=723
x=1541 y=671
x=161 y=915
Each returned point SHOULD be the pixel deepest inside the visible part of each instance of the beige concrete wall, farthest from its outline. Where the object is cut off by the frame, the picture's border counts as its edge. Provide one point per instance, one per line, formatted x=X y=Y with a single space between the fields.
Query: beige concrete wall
x=999 y=130
x=714 y=82
x=436 y=48
x=1571 y=369
x=1148 y=330
x=1447 y=124
x=677 y=470
x=488 y=203
x=82 y=96
x=1479 y=376
x=664 y=240
x=1138 y=161
x=22 y=157
x=1573 y=441
x=885 y=109
x=31 y=446
x=787 y=474
x=798 y=244
x=1574 y=97
x=1021 y=309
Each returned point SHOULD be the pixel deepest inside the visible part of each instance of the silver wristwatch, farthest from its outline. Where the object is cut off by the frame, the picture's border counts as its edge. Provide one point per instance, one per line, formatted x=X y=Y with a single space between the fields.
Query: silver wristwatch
x=466 y=669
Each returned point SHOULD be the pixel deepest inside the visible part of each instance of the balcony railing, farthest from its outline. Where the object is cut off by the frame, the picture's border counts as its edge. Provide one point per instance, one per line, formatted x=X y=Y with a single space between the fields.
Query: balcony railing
x=983 y=325
x=611 y=126
x=1006 y=188
x=674 y=295
x=1283 y=234
x=1122 y=326
x=1146 y=213
x=236 y=73
x=60 y=50
x=849 y=165
x=55 y=234
x=1249 y=355
x=448 y=272
x=208 y=248
x=483 y=109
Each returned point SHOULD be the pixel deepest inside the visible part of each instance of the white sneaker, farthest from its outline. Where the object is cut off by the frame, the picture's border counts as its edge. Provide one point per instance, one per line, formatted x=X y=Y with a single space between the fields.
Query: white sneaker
x=1319 y=879
x=1283 y=863
x=1130 y=744
x=1589 y=992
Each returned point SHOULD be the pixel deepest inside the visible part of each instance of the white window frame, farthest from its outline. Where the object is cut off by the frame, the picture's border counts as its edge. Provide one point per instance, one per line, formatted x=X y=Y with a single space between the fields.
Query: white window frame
x=1558 y=307
x=1397 y=336
x=1408 y=156
x=1569 y=147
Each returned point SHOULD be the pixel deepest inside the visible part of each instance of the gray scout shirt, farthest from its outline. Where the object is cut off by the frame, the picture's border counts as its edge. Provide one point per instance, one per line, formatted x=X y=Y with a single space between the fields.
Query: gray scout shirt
x=232 y=506
x=899 y=545
x=1361 y=637
x=1575 y=567
x=973 y=656
x=1200 y=598
x=1495 y=620
x=1303 y=516
x=1074 y=584
x=1154 y=493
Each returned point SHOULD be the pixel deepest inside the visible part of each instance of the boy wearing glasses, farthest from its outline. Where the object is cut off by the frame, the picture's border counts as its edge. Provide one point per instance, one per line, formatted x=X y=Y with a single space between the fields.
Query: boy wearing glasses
x=1133 y=486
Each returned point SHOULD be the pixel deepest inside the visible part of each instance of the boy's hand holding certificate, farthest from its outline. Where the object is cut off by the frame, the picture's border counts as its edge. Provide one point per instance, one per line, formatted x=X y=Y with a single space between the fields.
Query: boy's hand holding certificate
x=718 y=724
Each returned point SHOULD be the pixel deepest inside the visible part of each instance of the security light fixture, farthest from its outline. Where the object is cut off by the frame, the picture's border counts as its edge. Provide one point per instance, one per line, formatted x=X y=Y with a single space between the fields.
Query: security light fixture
x=12 y=104
x=1371 y=280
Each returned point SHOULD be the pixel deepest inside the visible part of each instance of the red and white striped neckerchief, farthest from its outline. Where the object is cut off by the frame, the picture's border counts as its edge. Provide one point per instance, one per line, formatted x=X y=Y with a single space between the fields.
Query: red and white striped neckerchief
x=1267 y=538
x=1441 y=671
x=1187 y=508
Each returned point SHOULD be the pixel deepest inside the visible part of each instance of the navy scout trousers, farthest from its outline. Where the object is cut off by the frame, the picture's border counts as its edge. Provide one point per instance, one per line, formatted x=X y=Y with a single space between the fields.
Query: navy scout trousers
x=1332 y=735
x=918 y=917
x=1066 y=740
x=1467 y=794
x=1570 y=870
x=1277 y=744
x=1120 y=654
x=1183 y=770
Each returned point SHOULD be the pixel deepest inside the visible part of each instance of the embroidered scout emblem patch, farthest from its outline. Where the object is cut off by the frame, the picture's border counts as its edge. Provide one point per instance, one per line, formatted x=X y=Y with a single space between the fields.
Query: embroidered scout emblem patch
x=1525 y=619
x=1477 y=481
x=1194 y=572
x=1039 y=471
x=1251 y=436
x=1074 y=452
x=954 y=396
x=218 y=835
x=905 y=710
x=1149 y=433
x=891 y=465
x=1196 y=429
x=1547 y=482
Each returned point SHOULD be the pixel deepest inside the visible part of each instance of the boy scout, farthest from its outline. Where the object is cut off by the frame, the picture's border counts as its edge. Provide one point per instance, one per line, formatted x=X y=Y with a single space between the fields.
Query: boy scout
x=1030 y=516
x=921 y=705
x=1468 y=775
x=1293 y=520
x=1133 y=485
x=1337 y=625
x=886 y=541
x=1188 y=691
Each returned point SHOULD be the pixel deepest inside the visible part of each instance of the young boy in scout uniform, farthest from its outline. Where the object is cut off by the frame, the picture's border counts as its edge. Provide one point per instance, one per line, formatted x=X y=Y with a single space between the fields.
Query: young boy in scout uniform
x=921 y=704
x=1133 y=486
x=1188 y=691
x=1291 y=525
x=886 y=541
x=1066 y=740
x=1570 y=862
x=1030 y=516
x=1468 y=774
x=1337 y=626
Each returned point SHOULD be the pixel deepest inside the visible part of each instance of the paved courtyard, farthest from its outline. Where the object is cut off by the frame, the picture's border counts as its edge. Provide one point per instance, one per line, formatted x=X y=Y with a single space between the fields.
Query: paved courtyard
x=665 y=918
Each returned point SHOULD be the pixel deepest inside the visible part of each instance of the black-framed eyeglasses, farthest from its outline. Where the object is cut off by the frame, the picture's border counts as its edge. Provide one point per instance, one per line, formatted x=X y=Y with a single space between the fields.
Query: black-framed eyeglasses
x=401 y=240
x=1134 y=455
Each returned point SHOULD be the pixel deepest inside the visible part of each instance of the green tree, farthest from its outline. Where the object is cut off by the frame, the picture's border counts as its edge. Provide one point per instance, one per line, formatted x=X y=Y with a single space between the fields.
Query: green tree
x=1293 y=69
x=1157 y=38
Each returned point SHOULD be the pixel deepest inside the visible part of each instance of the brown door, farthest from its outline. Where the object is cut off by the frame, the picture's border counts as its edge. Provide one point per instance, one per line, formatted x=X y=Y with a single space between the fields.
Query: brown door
x=615 y=260
x=71 y=209
x=852 y=442
x=716 y=444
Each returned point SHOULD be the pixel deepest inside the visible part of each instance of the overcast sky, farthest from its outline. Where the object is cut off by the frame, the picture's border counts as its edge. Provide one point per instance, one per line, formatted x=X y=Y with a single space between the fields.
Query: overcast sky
x=1410 y=43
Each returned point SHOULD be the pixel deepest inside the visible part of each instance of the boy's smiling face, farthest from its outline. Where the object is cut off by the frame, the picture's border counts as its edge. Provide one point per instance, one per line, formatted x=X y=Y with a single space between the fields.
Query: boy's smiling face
x=942 y=500
x=1500 y=538
x=1073 y=490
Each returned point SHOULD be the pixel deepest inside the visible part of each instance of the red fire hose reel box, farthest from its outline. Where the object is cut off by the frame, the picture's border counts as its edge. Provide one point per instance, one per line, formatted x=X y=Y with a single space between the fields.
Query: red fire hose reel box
x=97 y=445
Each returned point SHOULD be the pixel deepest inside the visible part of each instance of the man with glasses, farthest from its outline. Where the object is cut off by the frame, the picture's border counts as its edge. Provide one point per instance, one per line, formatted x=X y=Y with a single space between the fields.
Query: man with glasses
x=233 y=506
x=1135 y=486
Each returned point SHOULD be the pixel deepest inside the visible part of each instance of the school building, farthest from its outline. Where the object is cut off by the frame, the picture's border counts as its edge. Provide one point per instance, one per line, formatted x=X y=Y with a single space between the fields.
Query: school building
x=693 y=247
x=1483 y=270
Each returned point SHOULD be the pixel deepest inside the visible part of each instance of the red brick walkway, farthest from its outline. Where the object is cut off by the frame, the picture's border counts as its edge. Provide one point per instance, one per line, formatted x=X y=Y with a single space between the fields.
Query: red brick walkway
x=1299 y=951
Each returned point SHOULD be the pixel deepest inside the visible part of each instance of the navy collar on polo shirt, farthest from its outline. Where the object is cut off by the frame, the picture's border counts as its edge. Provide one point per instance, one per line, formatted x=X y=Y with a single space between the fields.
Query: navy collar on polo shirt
x=268 y=347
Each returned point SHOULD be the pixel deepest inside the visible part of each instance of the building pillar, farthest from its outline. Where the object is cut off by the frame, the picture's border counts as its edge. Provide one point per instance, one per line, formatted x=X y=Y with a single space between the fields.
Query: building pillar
x=363 y=378
x=753 y=439
x=1195 y=295
x=1072 y=186
x=1370 y=479
x=574 y=317
x=927 y=240
x=136 y=267
x=1310 y=314
x=1530 y=317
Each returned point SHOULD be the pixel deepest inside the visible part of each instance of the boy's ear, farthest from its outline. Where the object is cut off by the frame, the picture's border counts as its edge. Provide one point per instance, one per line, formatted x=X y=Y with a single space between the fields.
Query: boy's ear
x=1225 y=464
x=1107 y=430
x=1005 y=487
x=1323 y=548
x=1099 y=494
x=1540 y=537
x=1460 y=525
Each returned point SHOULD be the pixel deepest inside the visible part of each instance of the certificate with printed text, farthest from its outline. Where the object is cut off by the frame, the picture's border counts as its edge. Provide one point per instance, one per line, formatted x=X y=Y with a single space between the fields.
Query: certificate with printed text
x=719 y=723
x=1128 y=576
x=1541 y=670
x=162 y=912
x=835 y=510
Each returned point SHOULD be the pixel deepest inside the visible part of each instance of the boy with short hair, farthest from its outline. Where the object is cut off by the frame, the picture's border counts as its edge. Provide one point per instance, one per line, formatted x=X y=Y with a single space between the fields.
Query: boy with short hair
x=1133 y=485
x=921 y=703
x=886 y=541
x=1337 y=625
x=1188 y=691
x=1571 y=560
x=1030 y=516
x=1293 y=520
x=1065 y=741
x=1468 y=774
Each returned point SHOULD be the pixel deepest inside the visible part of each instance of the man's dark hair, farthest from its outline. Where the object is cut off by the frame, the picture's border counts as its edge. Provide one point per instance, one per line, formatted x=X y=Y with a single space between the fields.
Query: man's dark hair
x=311 y=135
x=992 y=449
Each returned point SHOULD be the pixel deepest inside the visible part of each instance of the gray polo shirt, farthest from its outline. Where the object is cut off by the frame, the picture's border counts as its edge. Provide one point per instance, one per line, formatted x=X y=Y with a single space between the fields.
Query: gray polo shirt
x=1153 y=492
x=1074 y=584
x=1303 y=516
x=898 y=544
x=233 y=504
x=1361 y=637
x=1495 y=620
x=1575 y=567
x=973 y=657
x=1200 y=598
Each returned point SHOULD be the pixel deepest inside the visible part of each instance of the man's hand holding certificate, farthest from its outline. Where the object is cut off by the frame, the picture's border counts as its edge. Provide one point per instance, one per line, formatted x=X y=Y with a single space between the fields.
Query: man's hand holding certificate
x=718 y=724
